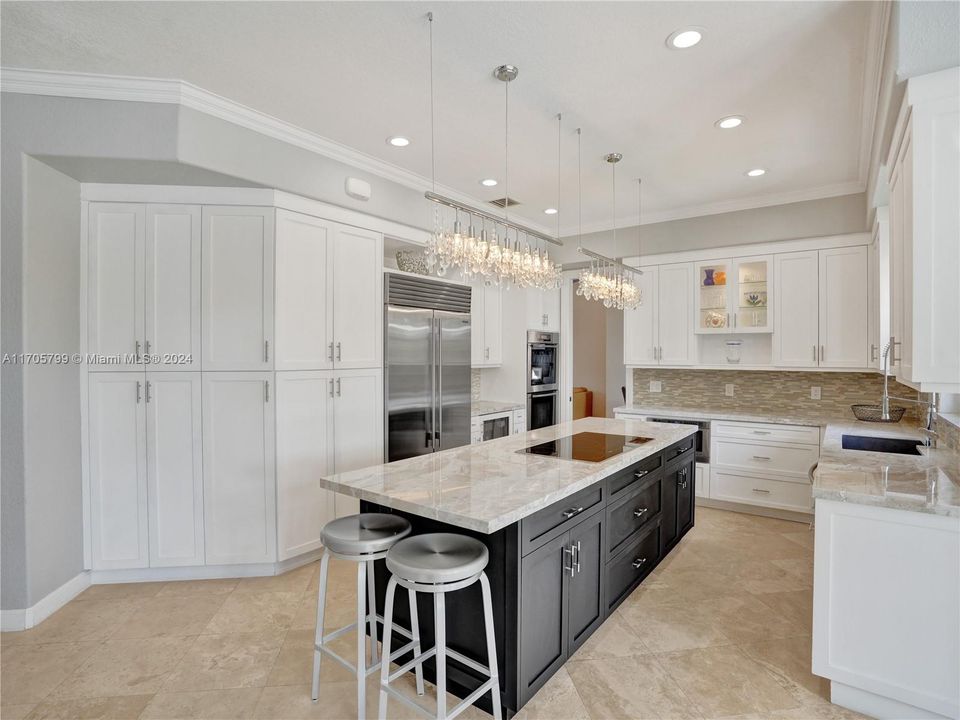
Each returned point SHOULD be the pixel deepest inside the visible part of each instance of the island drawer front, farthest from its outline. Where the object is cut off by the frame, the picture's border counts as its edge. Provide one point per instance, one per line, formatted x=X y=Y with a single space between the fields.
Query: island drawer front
x=763 y=431
x=678 y=449
x=546 y=524
x=632 y=565
x=638 y=472
x=762 y=456
x=631 y=512
x=734 y=487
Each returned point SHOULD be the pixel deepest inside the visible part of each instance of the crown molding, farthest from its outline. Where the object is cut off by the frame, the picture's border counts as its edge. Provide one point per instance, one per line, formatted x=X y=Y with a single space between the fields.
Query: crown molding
x=874 y=57
x=723 y=206
x=179 y=92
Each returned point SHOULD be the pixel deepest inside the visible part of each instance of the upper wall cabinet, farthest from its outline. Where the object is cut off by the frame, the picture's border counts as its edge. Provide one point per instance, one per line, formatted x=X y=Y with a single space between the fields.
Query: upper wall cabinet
x=924 y=164
x=357 y=279
x=543 y=310
x=733 y=296
x=237 y=288
x=486 y=325
x=821 y=308
x=143 y=286
x=660 y=330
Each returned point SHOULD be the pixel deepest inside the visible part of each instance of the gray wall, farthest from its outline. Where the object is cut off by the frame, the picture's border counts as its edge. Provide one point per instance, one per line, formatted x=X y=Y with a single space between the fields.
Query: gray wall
x=812 y=218
x=51 y=413
x=616 y=370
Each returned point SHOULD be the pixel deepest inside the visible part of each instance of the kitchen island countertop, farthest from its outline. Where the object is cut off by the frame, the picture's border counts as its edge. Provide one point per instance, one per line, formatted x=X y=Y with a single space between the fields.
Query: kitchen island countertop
x=488 y=486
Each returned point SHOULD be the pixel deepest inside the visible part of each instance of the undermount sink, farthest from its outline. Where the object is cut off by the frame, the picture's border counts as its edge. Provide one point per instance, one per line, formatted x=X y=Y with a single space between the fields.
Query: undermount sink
x=901 y=446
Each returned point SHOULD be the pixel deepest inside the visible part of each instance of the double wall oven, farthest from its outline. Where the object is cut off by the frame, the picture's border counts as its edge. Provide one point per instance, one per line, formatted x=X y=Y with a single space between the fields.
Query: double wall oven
x=543 y=355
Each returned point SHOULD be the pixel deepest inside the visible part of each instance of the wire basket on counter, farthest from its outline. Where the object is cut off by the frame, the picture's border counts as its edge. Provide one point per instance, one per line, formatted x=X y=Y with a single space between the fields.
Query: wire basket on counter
x=874 y=413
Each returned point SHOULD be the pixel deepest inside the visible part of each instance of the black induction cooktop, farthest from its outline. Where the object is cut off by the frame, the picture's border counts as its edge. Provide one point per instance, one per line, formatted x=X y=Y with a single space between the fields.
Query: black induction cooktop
x=587 y=446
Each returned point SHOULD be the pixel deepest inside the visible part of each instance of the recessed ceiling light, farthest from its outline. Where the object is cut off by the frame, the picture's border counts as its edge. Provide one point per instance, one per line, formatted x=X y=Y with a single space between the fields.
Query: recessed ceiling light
x=756 y=172
x=684 y=38
x=398 y=141
x=550 y=211
x=729 y=122
x=488 y=182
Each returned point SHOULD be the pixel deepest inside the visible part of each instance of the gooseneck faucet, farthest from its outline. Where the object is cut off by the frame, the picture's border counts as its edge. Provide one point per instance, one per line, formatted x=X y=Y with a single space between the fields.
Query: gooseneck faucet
x=931 y=404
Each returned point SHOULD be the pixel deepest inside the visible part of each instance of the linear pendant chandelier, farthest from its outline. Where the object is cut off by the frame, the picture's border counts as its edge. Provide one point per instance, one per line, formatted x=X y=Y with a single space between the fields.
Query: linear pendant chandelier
x=522 y=260
x=609 y=281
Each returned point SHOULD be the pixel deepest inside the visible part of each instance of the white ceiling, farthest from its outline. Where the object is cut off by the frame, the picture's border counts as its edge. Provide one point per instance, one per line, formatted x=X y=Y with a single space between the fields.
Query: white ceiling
x=357 y=72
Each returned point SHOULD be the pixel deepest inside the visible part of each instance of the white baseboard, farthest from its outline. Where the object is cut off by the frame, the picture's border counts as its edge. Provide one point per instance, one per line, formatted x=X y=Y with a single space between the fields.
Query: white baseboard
x=795 y=516
x=876 y=706
x=29 y=617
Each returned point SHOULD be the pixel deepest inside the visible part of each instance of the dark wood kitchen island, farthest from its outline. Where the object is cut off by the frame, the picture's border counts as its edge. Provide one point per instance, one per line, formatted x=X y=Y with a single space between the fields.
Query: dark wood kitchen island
x=569 y=540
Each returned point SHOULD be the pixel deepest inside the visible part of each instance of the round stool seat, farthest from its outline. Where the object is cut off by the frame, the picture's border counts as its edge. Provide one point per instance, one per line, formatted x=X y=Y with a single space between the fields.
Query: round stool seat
x=437 y=558
x=364 y=533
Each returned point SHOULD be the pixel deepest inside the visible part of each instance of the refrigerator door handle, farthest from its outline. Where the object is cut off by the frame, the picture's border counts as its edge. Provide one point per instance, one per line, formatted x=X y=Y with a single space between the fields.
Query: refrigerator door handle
x=438 y=371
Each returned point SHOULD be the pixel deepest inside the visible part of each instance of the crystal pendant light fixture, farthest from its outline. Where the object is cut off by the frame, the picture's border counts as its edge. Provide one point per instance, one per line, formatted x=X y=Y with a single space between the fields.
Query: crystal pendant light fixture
x=497 y=259
x=606 y=280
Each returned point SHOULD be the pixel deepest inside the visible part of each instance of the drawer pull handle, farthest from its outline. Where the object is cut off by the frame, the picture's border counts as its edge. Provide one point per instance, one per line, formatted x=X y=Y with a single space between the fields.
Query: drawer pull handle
x=640 y=473
x=568 y=551
x=760 y=457
x=761 y=490
x=571 y=512
x=761 y=432
x=638 y=562
x=639 y=512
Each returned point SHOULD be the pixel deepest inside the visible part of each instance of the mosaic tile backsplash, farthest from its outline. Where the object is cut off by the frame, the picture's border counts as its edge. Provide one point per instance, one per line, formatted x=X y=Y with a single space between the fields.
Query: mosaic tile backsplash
x=948 y=435
x=757 y=391
x=474 y=384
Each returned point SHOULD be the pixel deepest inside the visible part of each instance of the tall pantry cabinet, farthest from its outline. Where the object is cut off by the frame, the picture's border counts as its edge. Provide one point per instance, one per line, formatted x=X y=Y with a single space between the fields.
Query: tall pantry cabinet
x=225 y=343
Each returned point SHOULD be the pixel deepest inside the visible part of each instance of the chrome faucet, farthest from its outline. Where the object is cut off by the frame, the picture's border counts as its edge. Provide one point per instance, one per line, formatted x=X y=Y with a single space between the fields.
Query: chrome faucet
x=931 y=404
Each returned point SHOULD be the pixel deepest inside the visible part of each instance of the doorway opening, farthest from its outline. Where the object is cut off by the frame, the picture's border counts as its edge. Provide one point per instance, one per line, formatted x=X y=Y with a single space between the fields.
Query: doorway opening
x=598 y=371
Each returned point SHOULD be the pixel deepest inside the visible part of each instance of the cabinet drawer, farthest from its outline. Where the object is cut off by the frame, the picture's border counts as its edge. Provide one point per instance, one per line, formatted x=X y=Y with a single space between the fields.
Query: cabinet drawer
x=734 y=487
x=761 y=456
x=638 y=472
x=552 y=521
x=629 y=567
x=678 y=449
x=800 y=434
x=631 y=512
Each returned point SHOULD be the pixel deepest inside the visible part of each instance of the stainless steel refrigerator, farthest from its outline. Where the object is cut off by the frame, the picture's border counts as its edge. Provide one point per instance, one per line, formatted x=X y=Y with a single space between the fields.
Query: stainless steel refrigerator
x=426 y=365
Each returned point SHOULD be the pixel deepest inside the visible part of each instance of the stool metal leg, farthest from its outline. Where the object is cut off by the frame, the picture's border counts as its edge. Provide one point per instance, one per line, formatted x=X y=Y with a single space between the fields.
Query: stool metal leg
x=372 y=611
x=361 y=640
x=415 y=631
x=318 y=637
x=440 y=641
x=387 y=633
x=491 y=645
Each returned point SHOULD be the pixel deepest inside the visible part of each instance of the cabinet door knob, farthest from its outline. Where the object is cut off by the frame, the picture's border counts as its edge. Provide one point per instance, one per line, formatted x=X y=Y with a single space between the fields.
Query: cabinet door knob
x=639 y=512
x=571 y=512
x=638 y=562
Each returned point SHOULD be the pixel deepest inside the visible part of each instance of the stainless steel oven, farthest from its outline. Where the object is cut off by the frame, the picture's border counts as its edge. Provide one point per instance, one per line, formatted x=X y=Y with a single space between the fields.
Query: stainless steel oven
x=541 y=409
x=543 y=354
x=702 y=438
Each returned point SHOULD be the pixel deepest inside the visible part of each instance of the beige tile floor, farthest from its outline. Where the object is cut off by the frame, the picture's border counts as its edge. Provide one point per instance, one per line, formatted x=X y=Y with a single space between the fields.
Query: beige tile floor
x=721 y=629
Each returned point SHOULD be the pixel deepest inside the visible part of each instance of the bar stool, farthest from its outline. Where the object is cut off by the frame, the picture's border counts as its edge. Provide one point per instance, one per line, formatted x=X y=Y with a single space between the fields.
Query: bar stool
x=438 y=563
x=362 y=539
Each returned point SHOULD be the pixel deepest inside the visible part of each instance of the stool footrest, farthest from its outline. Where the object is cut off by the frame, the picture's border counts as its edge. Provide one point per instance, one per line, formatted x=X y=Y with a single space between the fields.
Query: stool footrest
x=410 y=663
x=413 y=704
x=468 y=662
x=472 y=698
x=346 y=663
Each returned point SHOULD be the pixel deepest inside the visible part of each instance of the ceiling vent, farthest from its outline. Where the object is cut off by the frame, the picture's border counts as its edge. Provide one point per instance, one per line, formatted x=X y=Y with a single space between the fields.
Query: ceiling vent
x=504 y=202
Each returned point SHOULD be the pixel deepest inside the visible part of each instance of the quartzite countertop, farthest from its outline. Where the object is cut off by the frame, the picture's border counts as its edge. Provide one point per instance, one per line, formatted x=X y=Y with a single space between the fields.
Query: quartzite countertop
x=488 y=486
x=928 y=483
x=779 y=417
x=488 y=407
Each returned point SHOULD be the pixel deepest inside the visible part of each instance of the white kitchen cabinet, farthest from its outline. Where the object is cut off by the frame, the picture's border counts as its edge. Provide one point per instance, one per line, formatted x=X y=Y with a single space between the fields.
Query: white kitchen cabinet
x=796 y=336
x=238 y=286
x=873 y=301
x=701 y=486
x=174 y=468
x=304 y=454
x=172 y=286
x=543 y=310
x=660 y=330
x=486 y=325
x=924 y=164
x=238 y=468
x=844 y=321
x=304 y=303
x=357 y=279
x=733 y=295
x=118 y=472
x=115 y=277
x=357 y=426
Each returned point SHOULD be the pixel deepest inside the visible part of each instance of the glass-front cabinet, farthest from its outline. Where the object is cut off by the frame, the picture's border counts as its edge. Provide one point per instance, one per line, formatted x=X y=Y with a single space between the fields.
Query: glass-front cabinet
x=733 y=296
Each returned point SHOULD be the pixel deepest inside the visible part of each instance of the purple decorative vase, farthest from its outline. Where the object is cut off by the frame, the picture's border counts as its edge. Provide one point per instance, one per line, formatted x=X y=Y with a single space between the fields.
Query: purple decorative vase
x=708 y=277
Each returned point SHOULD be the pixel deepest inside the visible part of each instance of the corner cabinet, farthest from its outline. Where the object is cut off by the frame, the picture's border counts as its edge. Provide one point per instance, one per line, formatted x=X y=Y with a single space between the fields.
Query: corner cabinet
x=242 y=350
x=733 y=296
x=924 y=164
